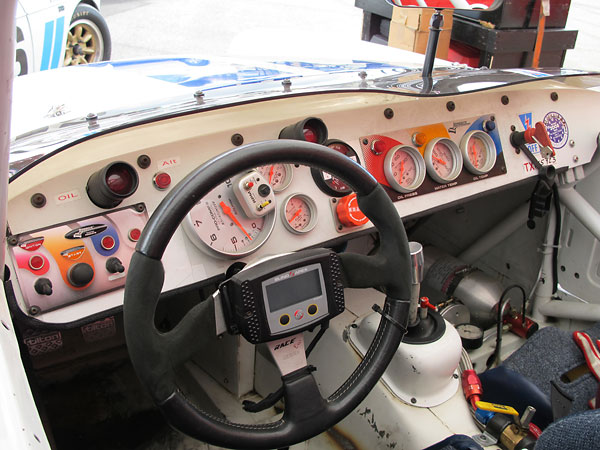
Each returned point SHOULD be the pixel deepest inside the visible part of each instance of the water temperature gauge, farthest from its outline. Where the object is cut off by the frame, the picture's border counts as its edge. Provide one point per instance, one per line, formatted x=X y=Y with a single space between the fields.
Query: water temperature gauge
x=443 y=160
x=299 y=213
x=479 y=152
x=404 y=168
x=278 y=175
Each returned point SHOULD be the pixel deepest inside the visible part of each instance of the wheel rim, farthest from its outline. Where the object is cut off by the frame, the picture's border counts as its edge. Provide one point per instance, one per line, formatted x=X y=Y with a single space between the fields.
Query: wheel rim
x=84 y=43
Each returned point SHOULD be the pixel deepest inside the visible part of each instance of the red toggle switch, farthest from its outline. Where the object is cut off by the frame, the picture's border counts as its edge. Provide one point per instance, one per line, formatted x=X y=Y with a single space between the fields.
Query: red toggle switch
x=424 y=303
x=539 y=135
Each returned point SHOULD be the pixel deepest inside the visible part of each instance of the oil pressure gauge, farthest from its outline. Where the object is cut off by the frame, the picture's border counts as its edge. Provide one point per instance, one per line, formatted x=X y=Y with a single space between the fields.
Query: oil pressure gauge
x=299 y=213
x=443 y=160
x=278 y=175
x=404 y=168
x=478 y=151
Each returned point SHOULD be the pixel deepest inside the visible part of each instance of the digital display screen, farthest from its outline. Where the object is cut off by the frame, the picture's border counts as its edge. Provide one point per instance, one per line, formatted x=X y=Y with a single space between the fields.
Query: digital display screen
x=294 y=290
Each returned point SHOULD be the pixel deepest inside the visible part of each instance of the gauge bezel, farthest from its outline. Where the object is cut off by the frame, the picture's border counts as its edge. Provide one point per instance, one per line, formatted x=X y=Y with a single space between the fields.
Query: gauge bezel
x=419 y=165
x=317 y=174
x=490 y=152
x=314 y=213
x=265 y=233
x=456 y=156
x=289 y=175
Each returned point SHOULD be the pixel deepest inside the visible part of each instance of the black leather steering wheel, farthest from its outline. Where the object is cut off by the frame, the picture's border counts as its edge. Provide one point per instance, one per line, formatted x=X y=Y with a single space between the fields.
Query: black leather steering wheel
x=155 y=355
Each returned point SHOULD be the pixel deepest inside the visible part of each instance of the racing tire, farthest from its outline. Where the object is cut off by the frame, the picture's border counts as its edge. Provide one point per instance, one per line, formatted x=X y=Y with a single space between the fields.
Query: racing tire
x=88 y=38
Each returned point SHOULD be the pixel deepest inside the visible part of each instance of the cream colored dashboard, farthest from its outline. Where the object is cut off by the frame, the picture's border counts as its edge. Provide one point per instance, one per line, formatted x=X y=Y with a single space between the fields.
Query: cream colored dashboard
x=177 y=145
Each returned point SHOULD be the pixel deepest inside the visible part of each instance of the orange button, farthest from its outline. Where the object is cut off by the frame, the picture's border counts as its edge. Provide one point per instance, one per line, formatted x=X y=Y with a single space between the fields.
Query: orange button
x=348 y=212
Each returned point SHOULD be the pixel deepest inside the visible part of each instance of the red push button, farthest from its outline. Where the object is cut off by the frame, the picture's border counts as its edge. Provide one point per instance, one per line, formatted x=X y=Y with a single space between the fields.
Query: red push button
x=108 y=243
x=378 y=147
x=162 y=180
x=36 y=262
x=134 y=234
x=348 y=212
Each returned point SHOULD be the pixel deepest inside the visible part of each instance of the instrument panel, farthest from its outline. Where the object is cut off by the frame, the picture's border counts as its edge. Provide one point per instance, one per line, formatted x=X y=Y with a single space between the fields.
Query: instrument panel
x=426 y=156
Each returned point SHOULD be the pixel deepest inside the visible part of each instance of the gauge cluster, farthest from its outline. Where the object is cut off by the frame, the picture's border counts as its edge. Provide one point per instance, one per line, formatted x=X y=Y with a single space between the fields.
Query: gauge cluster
x=425 y=156
x=426 y=159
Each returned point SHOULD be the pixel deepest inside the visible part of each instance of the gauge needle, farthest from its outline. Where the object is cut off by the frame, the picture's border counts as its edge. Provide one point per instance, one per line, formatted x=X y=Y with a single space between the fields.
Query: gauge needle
x=227 y=211
x=474 y=152
x=440 y=160
x=401 y=168
x=270 y=174
x=296 y=214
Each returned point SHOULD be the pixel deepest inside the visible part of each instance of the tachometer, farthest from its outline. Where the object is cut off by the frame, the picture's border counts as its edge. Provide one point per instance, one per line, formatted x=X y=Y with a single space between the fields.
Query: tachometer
x=404 y=168
x=443 y=160
x=219 y=226
x=328 y=183
x=278 y=175
x=478 y=151
x=299 y=213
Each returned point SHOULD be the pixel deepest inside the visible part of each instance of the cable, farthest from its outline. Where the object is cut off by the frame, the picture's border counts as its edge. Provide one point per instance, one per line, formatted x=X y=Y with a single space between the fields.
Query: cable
x=556 y=240
x=495 y=356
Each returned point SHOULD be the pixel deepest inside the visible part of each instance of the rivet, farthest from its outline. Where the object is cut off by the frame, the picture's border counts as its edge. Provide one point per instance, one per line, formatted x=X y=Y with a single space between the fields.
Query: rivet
x=237 y=139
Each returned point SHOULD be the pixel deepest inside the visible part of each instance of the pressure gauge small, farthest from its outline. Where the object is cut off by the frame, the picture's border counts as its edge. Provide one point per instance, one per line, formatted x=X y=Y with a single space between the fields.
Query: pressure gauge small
x=299 y=213
x=330 y=184
x=443 y=160
x=404 y=168
x=278 y=175
x=478 y=151
x=470 y=335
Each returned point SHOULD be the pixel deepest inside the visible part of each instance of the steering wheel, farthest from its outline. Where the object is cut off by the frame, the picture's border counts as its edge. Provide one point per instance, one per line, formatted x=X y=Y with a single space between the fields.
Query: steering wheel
x=155 y=355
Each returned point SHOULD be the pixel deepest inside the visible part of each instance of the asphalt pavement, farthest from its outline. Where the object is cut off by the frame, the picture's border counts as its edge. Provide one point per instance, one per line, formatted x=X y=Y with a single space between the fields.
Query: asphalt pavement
x=146 y=28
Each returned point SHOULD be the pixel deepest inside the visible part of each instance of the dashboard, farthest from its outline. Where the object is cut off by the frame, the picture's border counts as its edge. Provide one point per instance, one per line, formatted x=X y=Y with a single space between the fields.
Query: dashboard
x=74 y=218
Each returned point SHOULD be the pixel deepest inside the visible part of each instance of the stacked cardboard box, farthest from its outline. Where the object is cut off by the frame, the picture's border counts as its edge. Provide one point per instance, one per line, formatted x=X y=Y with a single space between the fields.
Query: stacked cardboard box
x=409 y=30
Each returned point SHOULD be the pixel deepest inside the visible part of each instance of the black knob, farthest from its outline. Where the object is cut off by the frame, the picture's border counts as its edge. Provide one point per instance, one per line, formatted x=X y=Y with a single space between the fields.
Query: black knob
x=43 y=286
x=80 y=274
x=264 y=190
x=114 y=265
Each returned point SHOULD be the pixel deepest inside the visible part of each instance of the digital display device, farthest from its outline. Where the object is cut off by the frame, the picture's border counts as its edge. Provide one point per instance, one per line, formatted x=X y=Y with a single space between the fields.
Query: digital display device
x=284 y=296
x=293 y=290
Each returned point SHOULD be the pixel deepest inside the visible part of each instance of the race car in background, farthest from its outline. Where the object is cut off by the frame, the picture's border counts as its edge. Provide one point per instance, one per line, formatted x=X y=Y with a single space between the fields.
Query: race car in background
x=55 y=33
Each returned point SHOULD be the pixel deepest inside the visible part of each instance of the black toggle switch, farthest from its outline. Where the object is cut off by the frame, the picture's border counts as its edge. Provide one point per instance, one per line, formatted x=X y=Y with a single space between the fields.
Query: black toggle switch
x=114 y=265
x=43 y=286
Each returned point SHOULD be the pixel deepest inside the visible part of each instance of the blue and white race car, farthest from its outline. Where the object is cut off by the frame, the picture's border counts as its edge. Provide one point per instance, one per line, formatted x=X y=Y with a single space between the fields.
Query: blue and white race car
x=55 y=33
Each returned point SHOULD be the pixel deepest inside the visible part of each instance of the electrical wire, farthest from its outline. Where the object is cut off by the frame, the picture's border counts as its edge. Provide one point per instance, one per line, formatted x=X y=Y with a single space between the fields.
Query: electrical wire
x=495 y=356
x=556 y=239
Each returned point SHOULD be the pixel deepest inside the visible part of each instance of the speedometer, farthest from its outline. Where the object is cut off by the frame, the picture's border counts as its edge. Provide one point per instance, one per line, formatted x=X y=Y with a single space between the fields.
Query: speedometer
x=219 y=226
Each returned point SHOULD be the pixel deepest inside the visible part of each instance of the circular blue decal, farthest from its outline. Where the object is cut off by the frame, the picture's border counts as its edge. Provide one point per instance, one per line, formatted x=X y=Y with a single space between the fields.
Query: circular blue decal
x=557 y=129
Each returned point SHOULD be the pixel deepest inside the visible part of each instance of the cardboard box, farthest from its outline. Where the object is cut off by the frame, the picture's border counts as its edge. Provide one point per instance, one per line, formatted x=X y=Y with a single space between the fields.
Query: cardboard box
x=409 y=30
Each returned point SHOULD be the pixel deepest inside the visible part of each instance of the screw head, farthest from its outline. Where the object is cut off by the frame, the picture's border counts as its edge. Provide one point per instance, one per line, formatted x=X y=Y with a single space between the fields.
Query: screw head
x=12 y=240
x=572 y=143
x=388 y=113
x=237 y=139
x=413 y=400
x=38 y=200
x=554 y=96
x=450 y=106
x=144 y=161
x=575 y=158
x=505 y=100
x=34 y=310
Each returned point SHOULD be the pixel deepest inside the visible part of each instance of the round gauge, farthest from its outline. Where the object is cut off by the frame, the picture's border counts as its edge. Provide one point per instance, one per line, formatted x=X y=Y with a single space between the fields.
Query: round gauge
x=299 y=213
x=404 y=168
x=470 y=335
x=443 y=160
x=219 y=226
x=278 y=175
x=328 y=183
x=478 y=151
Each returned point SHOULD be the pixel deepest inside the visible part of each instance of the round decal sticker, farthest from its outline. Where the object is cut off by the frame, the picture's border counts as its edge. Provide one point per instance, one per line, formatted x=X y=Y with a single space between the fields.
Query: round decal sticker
x=557 y=129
